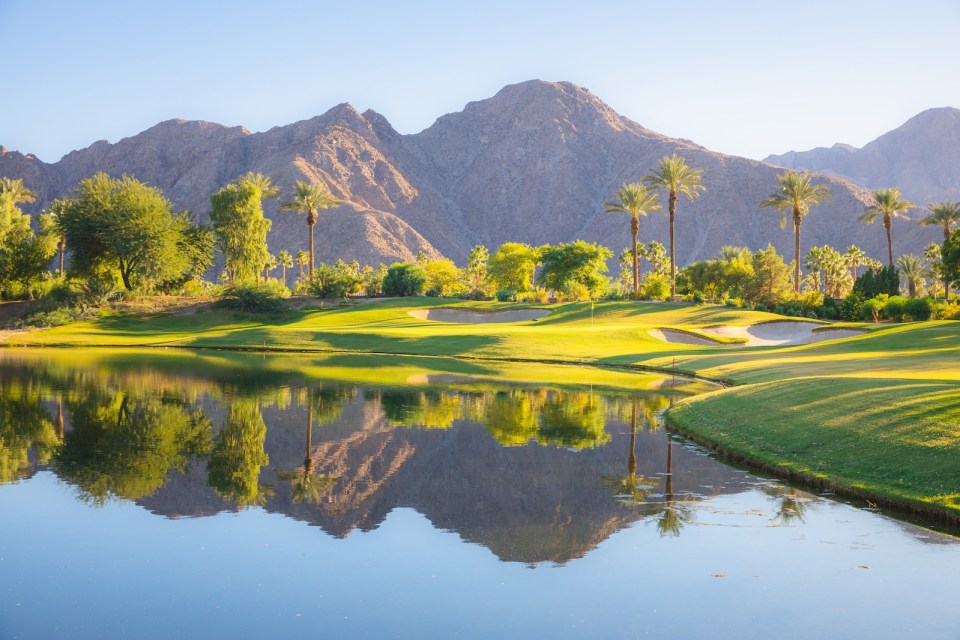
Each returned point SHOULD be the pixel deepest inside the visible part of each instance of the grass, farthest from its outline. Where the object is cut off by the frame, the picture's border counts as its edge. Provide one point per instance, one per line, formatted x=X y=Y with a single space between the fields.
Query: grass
x=874 y=415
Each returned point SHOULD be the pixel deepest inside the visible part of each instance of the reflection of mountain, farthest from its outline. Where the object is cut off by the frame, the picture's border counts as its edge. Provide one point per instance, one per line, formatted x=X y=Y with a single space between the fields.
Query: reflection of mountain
x=533 y=473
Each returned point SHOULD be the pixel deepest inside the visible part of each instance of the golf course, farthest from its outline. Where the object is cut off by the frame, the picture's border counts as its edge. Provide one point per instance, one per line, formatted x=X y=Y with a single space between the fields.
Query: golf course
x=868 y=411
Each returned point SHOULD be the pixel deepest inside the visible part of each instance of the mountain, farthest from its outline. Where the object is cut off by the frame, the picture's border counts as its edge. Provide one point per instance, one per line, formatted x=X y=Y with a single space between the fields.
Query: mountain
x=921 y=158
x=533 y=164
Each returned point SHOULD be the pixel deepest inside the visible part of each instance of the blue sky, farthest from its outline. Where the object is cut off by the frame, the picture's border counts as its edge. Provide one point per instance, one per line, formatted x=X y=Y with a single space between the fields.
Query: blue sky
x=745 y=78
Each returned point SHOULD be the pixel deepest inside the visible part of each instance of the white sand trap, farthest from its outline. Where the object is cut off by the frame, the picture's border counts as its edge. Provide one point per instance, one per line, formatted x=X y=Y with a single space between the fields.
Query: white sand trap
x=785 y=333
x=465 y=316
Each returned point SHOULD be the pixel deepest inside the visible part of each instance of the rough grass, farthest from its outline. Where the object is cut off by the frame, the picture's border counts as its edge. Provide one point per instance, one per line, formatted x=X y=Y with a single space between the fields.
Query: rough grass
x=858 y=413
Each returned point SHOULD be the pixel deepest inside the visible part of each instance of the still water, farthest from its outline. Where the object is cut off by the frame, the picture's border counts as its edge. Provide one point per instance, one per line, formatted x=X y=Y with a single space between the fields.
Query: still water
x=181 y=495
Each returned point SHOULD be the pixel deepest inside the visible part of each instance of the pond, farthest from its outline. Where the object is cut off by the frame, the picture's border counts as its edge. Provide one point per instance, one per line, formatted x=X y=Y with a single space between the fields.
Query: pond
x=222 y=495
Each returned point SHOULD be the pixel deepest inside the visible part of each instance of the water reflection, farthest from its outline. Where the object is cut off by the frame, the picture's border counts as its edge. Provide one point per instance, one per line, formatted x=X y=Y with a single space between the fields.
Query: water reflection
x=534 y=473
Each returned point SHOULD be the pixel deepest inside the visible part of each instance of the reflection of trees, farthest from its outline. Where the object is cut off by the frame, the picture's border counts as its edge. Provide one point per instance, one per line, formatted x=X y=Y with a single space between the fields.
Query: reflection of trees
x=237 y=455
x=430 y=409
x=24 y=423
x=125 y=446
x=512 y=417
x=791 y=503
x=327 y=403
x=632 y=489
x=573 y=419
x=674 y=513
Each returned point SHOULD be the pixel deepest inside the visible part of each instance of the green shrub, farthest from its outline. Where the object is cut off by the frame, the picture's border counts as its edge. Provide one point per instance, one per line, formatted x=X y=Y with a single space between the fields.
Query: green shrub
x=253 y=297
x=850 y=308
x=948 y=311
x=506 y=295
x=656 y=286
x=404 y=279
x=894 y=308
x=333 y=281
x=761 y=307
x=919 y=309
x=872 y=310
x=53 y=318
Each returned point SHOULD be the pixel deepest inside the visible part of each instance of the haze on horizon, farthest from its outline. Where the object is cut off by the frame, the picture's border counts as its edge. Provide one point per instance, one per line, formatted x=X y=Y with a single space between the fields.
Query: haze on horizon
x=747 y=78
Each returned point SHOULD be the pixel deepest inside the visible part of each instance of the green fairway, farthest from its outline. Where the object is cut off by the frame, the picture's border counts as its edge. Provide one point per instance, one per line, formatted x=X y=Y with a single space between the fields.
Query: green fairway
x=875 y=414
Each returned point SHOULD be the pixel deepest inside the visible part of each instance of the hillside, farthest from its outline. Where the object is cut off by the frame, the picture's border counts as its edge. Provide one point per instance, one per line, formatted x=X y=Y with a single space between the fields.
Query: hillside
x=921 y=158
x=532 y=164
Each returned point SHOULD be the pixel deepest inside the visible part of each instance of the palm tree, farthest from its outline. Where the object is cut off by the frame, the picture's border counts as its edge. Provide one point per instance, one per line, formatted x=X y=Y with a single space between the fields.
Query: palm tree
x=309 y=198
x=56 y=211
x=796 y=193
x=636 y=200
x=942 y=214
x=676 y=178
x=814 y=262
x=264 y=183
x=270 y=264
x=302 y=259
x=887 y=203
x=854 y=256
x=15 y=190
x=912 y=268
x=285 y=260
x=933 y=253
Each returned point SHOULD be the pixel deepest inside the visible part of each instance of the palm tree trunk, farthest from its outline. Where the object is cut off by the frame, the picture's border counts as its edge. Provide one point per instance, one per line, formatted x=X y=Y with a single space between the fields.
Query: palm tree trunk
x=284 y=275
x=632 y=458
x=311 y=249
x=63 y=247
x=887 y=225
x=853 y=270
x=306 y=458
x=796 y=266
x=673 y=262
x=634 y=231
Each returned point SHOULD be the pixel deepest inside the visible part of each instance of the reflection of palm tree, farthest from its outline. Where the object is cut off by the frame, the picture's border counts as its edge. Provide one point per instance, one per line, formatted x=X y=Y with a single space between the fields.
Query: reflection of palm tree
x=791 y=503
x=305 y=486
x=674 y=513
x=632 y=489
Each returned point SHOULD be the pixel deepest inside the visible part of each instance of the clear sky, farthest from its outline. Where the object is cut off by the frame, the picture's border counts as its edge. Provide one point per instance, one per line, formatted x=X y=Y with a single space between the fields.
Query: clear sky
x=742 y=77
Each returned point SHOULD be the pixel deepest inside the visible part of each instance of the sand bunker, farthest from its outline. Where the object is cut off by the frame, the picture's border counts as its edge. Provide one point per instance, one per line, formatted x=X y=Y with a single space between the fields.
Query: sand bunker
x=465 y=316
x=786 y=333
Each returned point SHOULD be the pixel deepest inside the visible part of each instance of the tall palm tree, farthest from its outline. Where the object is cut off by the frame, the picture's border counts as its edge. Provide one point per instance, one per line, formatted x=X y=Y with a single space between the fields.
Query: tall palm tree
x=636 y=200
x=887 y=204
x=309 y=198
x=854 y=256
x=676 y=178
x=912 y=268
x=797 y=193
x=16 y=191
x=942 y=214
x=933 y=254
x=56 y=210
x=285 y=260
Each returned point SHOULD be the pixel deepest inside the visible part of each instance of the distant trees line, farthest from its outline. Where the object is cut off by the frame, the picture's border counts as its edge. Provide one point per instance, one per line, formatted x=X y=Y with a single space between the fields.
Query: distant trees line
x=124 y=234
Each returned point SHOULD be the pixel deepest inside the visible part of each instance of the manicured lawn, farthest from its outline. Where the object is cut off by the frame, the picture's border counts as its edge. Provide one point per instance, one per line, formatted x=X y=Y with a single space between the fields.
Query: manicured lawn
x=876 y=414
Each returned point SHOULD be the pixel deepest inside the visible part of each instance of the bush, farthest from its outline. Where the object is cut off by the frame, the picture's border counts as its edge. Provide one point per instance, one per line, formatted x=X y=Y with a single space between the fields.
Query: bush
x=404 y=279
x=871 y=310
x=253 y=297
x=919 y=309
x=656 y=286
x=53 y=318
x=894 y=308
x=873 y=283
x=539 y=295
x=332 y=281
x=948 y=311
x=761 y=307
x=849 y=308
x=573 y=291
x=506 y=295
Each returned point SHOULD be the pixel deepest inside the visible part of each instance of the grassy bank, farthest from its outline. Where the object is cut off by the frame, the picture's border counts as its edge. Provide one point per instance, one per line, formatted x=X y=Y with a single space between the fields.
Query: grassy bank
x=875 y=415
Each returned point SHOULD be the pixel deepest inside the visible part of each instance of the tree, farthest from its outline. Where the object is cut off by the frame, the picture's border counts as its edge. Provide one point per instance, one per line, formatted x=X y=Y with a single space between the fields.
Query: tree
x=676 y=178
x=635 y=200
x=268 y=190
x=950 y=260
x=797 y=194
x=309 y=198
x=512 y=266
x=442 y=278
x=404 y=279
x=286 y=262
x=942 y=214
x=269 y=265
x=854 y=256
x=477 y=266
x=56 y=211
x=125 y=227
x=932 y=254
x=236 y=212
x=911 y=266
x=15 y=190
x=887 y=204
x=571 y=263
x=302 y=259
x=770 y=279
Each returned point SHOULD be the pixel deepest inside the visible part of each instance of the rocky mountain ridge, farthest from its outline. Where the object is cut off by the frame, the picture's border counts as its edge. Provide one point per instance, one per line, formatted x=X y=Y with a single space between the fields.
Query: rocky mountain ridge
x=533 y=164
x=920 y=157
